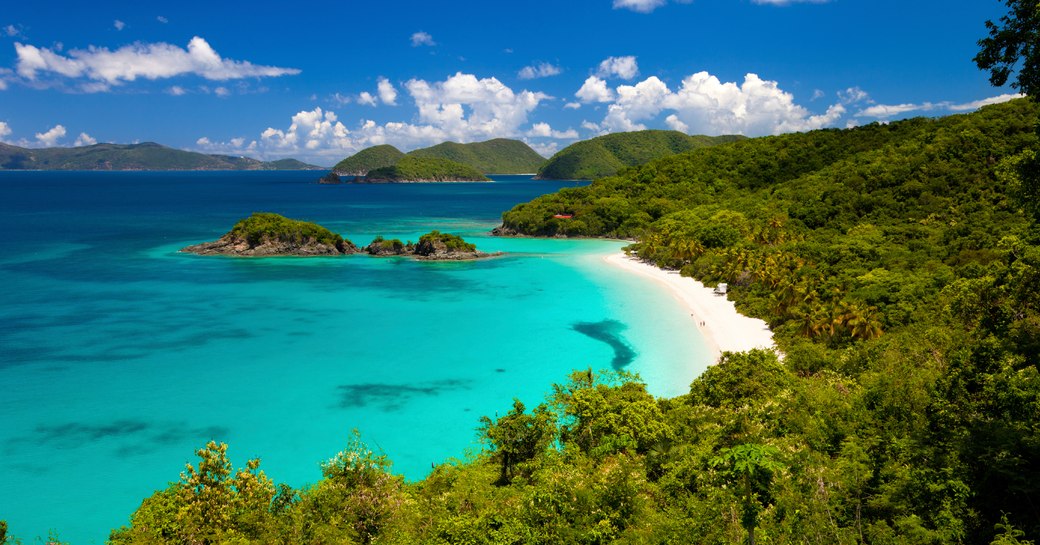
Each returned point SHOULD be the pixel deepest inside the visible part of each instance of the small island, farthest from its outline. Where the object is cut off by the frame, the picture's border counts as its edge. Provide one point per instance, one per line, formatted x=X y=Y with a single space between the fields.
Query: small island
x=265 y=234
x=433 y=246
x=330 y=178
x=424 y=169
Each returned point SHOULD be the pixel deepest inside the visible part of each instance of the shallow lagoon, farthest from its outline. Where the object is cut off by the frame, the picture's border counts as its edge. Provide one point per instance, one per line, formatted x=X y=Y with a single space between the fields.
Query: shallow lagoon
x=119 y=356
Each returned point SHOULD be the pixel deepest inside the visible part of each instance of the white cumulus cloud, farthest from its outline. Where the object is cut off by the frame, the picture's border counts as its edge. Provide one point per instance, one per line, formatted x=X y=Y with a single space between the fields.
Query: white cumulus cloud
x=118 y=24
x=622 y=67
x=366 y=99
x=541 y=70
x=422 y=38
x=309 y=130
x=50 y=138
x=177 y=91
x=12 y=31
x=755 y=107
x=705 y=105
x=545 y=149
x=641 y=101
x=387 y=92
x=85 y=139
x=139 y=60
x=467 y=108
x=595 y=90
x=5 y=130
x=162 y=19
x=675 y=124
x=544 y=130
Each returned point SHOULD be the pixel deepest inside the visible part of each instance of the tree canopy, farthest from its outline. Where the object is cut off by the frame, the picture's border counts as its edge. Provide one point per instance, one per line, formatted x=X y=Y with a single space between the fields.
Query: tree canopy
x=1013 y=47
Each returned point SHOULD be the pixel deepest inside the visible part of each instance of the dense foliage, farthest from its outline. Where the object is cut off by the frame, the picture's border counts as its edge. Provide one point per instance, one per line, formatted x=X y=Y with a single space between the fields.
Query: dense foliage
x=393 y=246
x=901 y=273
x=606 y=155
x=437 y=241
x=267 y=226
x=1013 y=47
x=144 y=156
x=368 y=159
x=411 y=168
x=498 y=156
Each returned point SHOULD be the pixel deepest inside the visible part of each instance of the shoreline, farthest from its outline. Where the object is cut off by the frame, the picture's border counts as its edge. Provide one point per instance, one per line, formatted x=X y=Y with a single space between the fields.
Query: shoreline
x=724 y=329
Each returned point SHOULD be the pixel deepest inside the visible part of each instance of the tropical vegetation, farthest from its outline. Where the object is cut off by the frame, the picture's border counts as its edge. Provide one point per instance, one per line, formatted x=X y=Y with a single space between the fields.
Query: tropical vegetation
x=263 y=227
x=367 y=160
x=412 y=168
x=498 y=156
x=608 y=154
x=438 y=241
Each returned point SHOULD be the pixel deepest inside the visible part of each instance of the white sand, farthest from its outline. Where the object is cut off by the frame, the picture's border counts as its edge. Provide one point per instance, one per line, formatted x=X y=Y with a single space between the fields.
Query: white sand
x=723 y=328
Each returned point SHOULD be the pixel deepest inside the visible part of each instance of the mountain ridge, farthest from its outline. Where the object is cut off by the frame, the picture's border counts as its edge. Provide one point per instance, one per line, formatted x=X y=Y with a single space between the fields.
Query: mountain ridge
x=126 y=157
x=606 y=155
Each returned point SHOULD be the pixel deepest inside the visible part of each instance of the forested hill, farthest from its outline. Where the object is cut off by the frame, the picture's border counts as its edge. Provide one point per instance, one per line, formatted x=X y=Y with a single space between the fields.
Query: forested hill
x=144 y=156
x=411 y=168
x=606 y=155
x=498 y=156
x=368 y=159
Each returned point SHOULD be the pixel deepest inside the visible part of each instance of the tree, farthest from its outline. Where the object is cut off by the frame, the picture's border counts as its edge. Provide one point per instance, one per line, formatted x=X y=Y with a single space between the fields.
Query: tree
x=750 y=467
x=217 y=500
x=518 y=437
x=1012 y=45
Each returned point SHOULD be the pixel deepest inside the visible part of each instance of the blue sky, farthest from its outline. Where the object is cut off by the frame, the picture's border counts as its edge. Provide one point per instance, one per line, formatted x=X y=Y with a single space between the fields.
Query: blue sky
x=321 y=80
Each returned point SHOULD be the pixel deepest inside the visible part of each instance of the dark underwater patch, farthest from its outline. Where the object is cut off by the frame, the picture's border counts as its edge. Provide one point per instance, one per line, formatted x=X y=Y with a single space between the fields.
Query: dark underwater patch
x=609 y=332
x=130 y=437
x=392 y=397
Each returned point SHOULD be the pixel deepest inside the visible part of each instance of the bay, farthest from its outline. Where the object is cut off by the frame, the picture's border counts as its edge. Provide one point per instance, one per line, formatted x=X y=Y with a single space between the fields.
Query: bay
x=119 y=356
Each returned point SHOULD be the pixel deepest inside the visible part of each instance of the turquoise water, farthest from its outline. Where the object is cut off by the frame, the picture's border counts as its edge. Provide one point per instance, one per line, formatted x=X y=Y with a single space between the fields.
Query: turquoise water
x=119 y=356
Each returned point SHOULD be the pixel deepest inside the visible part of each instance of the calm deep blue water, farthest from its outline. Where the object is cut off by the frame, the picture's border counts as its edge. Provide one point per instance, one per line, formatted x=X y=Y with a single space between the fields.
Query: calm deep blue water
x=120 y=356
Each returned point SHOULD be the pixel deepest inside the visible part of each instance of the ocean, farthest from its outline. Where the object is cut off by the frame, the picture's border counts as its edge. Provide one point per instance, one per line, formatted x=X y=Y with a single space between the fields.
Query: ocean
x=119 y=356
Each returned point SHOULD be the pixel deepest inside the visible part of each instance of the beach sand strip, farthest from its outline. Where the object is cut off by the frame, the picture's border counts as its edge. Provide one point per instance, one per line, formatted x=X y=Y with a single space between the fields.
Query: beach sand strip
x=723 y=328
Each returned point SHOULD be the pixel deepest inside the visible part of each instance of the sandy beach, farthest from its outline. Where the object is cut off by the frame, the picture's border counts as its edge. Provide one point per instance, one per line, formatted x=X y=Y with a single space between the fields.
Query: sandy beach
x=723 y=328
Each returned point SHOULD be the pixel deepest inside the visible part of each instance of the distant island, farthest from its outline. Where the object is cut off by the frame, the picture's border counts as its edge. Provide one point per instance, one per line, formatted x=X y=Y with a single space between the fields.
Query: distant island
x=144 y=156
x=498 y=156
x=412 y=168
x=606 y=155
x=433 y=246
x=265 y=234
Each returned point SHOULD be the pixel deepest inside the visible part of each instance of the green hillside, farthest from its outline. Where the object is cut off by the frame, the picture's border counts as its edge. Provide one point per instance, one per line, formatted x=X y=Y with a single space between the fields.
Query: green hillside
x=368 y=159
x=146 y=156
x=606 y=155
x=498 y=156
x=412 y=168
